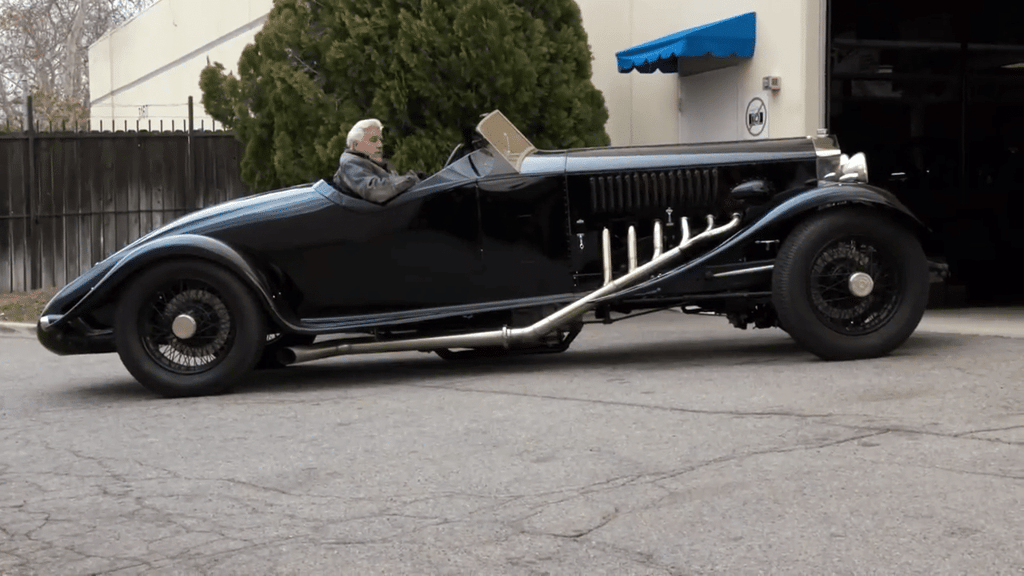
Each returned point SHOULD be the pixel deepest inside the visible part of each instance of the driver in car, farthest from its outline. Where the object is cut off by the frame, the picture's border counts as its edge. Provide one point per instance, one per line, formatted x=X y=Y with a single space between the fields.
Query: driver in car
x=362 y=168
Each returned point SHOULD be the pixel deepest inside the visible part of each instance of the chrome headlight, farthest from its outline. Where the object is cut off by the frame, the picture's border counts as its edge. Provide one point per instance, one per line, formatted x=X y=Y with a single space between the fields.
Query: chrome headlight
x=854 y=168
x=834 y=166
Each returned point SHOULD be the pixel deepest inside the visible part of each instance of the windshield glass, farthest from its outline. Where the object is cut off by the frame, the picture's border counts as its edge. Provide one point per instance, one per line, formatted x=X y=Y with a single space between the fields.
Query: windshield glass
x=505 y=139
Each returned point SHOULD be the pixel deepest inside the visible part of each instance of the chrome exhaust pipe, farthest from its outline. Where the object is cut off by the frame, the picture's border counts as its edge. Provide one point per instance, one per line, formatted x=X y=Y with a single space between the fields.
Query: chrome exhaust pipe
x=321 y=350
x=508 y=337
x=658 y=239
x=631 y=249
x=606 y=256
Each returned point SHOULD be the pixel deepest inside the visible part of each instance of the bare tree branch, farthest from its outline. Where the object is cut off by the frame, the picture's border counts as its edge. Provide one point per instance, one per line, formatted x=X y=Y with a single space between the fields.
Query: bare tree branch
x=43 y=51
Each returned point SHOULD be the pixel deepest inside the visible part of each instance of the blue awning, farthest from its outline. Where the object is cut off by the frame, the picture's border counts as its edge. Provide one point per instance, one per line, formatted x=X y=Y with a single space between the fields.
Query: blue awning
x=701 y=49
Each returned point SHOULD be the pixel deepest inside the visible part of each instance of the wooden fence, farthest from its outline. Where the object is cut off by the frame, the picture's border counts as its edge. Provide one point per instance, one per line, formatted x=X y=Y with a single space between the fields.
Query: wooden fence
x=68 y=200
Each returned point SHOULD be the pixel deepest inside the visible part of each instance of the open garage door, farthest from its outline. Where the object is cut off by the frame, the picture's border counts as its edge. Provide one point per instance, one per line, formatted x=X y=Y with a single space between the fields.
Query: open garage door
x=933 y=93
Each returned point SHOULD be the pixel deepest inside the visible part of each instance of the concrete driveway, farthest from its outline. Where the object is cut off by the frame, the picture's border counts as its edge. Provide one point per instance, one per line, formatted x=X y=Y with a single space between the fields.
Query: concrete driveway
x=667 y=444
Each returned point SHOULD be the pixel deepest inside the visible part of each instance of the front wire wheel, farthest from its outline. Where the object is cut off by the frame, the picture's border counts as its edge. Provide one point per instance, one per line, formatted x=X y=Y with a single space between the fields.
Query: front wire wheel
x=188 y=328
x=838 y=305
x=205 y=328
x=850 y=283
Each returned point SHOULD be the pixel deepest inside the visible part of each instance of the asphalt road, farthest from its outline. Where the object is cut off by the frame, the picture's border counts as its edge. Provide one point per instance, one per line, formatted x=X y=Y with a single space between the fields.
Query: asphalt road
x=663 y=445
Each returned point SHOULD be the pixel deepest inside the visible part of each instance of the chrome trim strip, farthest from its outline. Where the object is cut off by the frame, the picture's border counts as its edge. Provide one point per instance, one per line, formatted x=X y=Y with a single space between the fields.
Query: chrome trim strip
x=50 y=319
x=744 y=271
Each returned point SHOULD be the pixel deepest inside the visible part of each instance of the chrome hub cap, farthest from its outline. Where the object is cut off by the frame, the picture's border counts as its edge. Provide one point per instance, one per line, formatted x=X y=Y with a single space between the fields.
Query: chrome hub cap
x=861 y=284
x=856 y=285
x=183 y=326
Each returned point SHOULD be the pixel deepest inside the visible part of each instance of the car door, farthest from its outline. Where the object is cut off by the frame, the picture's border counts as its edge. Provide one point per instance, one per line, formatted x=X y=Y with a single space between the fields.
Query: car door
x=421 y=250
x=525 y=236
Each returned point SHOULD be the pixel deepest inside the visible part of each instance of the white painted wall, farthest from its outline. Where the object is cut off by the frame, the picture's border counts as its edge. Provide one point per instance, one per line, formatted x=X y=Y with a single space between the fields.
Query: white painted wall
x=144 y=71
x=155 y=60
x=663 y=108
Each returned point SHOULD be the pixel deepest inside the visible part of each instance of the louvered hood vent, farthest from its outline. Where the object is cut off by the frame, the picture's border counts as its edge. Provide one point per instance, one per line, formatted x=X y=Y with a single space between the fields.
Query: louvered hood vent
x=685 y=191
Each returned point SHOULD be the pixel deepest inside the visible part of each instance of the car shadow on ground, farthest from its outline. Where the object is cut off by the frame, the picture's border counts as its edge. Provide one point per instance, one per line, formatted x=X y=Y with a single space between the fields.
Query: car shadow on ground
x=366 y=371
x=754 y=350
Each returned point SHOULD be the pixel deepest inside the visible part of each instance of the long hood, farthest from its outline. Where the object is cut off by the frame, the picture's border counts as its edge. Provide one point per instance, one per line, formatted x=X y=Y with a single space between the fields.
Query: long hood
x=669 y=156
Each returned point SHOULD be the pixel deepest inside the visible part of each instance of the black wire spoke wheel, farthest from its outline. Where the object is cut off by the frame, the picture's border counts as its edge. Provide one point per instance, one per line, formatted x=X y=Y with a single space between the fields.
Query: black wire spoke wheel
x=850 y=283
x=205 y=319
x=832 y=272
x=188 y=328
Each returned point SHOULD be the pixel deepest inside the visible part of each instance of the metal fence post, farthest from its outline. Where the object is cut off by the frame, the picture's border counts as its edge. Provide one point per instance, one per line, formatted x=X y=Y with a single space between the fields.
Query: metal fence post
x=33 y=245
x=190 y=163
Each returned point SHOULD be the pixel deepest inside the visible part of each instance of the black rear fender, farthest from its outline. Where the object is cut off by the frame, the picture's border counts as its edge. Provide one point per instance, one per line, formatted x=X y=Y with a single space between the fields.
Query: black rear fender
x=186 y=246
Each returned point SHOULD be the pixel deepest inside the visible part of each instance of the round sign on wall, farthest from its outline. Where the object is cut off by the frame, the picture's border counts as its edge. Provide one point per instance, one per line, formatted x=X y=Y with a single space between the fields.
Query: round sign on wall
x=756 y=117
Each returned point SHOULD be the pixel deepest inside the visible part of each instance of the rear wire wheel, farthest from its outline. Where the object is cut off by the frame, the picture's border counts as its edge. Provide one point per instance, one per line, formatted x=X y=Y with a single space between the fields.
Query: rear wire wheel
x=850 y=283
x=188 y=328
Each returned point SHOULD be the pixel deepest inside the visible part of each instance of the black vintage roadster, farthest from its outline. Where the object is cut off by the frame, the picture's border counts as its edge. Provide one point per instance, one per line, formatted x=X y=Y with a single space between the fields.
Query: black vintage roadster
x=509 y=250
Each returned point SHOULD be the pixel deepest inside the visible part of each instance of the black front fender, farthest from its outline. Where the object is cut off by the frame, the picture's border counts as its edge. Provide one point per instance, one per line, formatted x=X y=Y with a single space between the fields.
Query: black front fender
x=172 y=247
x=782 y=212
x=797 y=203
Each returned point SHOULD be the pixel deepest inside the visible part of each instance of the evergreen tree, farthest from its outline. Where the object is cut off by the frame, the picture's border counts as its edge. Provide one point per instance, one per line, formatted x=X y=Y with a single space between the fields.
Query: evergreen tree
x=426 y=68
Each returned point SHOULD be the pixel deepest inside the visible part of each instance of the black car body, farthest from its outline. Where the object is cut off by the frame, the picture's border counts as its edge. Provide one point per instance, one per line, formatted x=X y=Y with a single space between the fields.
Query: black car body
x=509 y=250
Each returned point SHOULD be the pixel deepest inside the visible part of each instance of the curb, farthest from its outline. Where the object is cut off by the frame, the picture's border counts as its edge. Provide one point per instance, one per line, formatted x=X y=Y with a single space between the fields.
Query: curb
x=1005 y=322
x=17 y=329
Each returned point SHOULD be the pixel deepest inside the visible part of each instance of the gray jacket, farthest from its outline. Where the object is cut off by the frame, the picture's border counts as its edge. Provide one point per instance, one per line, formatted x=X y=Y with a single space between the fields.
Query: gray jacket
x=369 y=179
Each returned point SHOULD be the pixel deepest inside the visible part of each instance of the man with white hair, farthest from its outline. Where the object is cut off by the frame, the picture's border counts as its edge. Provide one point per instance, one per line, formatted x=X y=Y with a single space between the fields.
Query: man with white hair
x=362 y=168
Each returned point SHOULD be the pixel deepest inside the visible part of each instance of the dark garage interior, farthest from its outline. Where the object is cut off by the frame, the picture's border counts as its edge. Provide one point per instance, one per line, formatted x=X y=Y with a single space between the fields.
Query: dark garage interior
x=933 y=94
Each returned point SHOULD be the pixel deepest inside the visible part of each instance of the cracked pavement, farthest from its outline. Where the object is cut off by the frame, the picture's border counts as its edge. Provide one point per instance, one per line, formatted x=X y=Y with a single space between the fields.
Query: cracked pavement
x=666 y=445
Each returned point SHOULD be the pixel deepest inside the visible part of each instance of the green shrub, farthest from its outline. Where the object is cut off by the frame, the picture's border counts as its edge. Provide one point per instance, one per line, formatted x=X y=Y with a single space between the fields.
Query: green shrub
x=426 y=68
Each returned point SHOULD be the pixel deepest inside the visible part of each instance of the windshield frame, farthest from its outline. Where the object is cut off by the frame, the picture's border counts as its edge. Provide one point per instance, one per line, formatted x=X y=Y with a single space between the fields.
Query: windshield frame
x=505 y=139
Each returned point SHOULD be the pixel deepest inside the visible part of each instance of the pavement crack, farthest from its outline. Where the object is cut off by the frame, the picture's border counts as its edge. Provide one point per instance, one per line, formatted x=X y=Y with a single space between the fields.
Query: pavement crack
x=755 y=453
x=953 y=435
x=740 y=413
x=983 y=430
x=968 y=472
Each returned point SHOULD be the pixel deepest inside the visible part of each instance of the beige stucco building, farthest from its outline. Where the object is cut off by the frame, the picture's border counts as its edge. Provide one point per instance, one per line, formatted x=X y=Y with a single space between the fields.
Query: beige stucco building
x=661 y=108
x=144 y=72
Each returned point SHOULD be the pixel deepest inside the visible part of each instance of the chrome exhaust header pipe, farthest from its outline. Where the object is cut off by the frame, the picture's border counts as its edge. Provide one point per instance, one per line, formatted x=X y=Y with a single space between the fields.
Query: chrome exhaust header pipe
x=606 y=256
x=508 y=337
x=631 y=249
x=584 y=304
x=659 y=239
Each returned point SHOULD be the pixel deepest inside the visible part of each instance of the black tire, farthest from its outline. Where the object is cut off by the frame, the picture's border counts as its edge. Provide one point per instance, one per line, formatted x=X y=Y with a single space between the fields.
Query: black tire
x=228 y=324
x=274 y=344
x=811 y=284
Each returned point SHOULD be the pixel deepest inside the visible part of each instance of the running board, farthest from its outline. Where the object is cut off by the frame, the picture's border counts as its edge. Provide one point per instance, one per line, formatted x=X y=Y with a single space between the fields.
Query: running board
x=511 y=337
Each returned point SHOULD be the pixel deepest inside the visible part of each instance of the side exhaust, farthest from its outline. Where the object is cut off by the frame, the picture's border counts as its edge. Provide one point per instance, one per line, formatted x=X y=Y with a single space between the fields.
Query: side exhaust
x=510 y=337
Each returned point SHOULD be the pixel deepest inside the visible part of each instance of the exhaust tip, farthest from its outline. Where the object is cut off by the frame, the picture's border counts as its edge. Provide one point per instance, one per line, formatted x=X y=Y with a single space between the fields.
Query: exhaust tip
x=286 y=356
